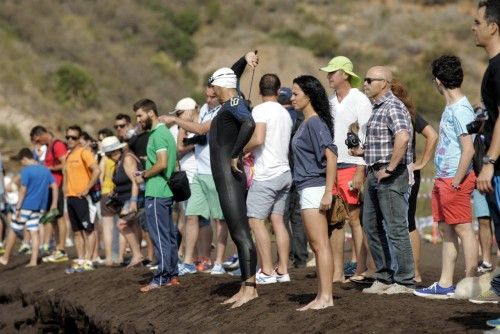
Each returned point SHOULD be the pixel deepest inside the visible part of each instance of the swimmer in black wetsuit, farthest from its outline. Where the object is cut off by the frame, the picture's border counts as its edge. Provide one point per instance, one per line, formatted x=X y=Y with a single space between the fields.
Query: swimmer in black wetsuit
x=230 y=131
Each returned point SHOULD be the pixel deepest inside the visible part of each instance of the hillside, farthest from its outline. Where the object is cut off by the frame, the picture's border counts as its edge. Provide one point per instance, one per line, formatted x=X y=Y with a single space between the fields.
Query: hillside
x=84 y=61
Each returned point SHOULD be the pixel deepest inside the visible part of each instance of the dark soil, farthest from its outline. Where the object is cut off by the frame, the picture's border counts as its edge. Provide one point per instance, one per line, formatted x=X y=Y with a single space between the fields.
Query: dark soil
x=46 y=300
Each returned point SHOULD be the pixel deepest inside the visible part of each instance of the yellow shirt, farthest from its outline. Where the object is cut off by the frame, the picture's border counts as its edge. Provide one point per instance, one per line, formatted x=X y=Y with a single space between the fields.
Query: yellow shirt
x=107 y=185
x=77 y=169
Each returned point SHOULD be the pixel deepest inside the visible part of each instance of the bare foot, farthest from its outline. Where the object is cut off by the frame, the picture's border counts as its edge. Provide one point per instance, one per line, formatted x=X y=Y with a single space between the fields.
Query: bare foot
x=306 y=307
x=3 y=261
x=247 y=295
x=135 y=262
x=418 y=279
x=31 y=265
x=234 y=298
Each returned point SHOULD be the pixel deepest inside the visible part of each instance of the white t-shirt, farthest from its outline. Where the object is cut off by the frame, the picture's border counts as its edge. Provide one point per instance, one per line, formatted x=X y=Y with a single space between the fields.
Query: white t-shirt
x=188 y=162
x=354 y=107
x=202 y=152
x=271 y=158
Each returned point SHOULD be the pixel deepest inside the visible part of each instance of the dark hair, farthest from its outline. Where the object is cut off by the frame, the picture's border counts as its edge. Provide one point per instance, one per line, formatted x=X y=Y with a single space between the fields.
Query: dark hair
x=37 y=131
x=105 y=132
x=448 y=70
x=492 y=11
x=75 y=128
x=123 y=116
x=146 y=105
x=86 y=136
x=313 y=88
x=269 y=84
x=25 y=153
x=402 y=94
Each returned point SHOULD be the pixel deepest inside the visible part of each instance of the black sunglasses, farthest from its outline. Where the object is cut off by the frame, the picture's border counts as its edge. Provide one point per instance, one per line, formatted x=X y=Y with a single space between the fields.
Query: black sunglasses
x=370 y=80
x=72 y=137
x=119 y=126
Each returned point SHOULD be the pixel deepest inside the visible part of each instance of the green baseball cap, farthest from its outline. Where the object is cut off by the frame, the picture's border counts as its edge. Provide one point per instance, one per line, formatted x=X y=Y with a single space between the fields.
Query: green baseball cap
x=344 y=64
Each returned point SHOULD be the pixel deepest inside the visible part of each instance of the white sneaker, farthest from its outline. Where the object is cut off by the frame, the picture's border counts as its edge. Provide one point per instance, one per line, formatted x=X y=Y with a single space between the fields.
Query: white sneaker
x=217 y=269
x=397 y=289
x=377 y=288
x=281 y=278
x=69 y=242
x=261 y=278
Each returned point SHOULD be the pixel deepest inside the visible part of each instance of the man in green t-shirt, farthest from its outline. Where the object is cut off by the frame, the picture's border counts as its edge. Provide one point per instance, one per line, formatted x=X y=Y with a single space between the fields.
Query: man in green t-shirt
x=160 y=164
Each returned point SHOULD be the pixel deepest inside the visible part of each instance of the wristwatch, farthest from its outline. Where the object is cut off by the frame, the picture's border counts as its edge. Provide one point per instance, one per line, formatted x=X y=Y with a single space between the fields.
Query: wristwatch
x=488 y=160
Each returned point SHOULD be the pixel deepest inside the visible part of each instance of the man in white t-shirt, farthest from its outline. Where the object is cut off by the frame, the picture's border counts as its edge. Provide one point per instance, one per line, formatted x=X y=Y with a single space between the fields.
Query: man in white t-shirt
x=351 y=110
x=272 y=179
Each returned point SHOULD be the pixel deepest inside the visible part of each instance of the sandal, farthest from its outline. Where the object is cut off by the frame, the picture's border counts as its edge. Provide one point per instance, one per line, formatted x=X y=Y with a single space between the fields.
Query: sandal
x=360 y=279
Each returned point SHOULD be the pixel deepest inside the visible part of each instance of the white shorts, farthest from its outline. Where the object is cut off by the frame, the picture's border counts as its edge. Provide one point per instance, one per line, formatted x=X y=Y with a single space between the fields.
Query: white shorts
x=310 y=198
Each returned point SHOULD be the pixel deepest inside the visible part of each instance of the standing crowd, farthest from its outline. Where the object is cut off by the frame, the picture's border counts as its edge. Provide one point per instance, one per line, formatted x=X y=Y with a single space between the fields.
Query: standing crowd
x=301 y=161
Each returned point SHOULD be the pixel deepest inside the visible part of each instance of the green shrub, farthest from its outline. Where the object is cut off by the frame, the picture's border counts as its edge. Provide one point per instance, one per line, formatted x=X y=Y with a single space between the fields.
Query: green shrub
x=176 y=42
x=187 y=20
x=290 y=37
x=213 y=11
x=74 y=87
x=323 y=43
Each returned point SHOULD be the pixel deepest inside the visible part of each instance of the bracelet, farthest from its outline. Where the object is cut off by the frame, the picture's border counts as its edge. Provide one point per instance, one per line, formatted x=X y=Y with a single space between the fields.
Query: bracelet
x=133 y=198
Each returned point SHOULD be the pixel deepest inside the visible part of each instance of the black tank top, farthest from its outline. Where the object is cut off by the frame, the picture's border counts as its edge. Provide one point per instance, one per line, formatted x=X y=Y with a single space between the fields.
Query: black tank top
x=123 y=185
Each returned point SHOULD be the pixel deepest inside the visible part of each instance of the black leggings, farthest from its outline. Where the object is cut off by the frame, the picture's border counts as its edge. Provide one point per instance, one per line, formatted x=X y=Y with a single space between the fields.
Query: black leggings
x=412 y=202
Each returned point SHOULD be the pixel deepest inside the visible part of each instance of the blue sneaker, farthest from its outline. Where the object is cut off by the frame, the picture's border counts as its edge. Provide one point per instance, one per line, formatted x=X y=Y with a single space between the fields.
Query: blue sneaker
x=493 y=322
x=435 y=291
x=232 y=262
x=350 y=269
x=186 y=268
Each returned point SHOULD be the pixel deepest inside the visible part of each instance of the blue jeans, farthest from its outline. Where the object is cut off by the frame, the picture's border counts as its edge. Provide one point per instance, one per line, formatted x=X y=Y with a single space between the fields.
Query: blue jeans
x=385 y=223
x=493 y=200
x=163 y=235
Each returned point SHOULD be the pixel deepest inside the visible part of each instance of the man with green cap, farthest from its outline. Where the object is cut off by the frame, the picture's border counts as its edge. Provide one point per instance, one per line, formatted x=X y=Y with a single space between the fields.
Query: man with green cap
x=350 y=110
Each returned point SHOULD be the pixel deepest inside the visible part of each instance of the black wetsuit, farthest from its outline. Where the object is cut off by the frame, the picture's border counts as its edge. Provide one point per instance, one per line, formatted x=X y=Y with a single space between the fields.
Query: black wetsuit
x=230 y=131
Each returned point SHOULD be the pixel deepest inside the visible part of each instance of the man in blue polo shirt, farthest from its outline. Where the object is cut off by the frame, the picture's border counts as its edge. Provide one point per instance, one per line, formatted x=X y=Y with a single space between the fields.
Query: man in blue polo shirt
x=160 y=164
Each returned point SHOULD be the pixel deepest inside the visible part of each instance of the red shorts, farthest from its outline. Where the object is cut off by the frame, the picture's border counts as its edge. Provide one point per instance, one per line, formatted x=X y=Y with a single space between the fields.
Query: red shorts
x=344 y=176
x=450 y=205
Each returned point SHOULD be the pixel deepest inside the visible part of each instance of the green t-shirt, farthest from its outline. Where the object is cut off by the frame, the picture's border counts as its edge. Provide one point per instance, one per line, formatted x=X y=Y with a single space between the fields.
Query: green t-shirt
x=160 y=139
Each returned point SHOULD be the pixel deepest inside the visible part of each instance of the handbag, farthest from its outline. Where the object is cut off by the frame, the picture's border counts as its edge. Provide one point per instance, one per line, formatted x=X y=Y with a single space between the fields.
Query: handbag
x=179 y=184
x=339 y=211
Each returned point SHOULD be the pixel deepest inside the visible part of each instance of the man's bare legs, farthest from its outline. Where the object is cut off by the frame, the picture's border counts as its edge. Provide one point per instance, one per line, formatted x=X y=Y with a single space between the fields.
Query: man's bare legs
x=35 y=246
x=191 y=236
x=9 y=245
x=62 y=231
x=485 y=238
x=204 y=243
x=415 y=247
x=263 y=244
x=221 y=234
x=451 y=233
x=79 y=244
x=89 y=244
x=282 y=242
x=317 y=233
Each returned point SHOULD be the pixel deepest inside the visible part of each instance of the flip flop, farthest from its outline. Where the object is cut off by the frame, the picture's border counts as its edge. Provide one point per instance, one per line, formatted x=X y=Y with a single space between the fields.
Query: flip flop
x=360 y=279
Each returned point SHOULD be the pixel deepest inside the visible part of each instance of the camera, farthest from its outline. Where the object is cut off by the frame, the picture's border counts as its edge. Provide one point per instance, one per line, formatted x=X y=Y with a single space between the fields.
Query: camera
x=474 y=126
x=352 y=140
x=196 y=140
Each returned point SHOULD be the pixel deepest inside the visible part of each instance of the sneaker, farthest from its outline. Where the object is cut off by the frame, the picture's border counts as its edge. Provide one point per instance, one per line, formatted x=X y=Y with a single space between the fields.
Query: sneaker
x=24 y=248
x=173 y=281
x=149 y=287
x=350 y=269
x=204 y=265
x=261 y=278
x=57 y=257
x=153 y=267
x=435 y=291
x=493 y=322
x=217 y=269
x=231 y=262
x=88 y=266
x=396 y=288
x=69 y=242
x=484 y=267
x=75 y=268
x=44 y=249
x=235 y=272
x=98 y=261
x=486 y=297
x=2 y=250
x=186 y=268
x=377 y=288
x=281 y=278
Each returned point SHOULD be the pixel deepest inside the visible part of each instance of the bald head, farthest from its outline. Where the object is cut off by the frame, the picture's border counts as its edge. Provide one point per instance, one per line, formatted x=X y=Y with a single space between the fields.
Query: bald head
x=377 y=81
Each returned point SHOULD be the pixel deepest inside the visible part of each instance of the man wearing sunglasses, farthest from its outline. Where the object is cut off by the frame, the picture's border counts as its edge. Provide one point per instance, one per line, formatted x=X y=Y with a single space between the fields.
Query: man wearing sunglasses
x=81 y=172
x=387 y=151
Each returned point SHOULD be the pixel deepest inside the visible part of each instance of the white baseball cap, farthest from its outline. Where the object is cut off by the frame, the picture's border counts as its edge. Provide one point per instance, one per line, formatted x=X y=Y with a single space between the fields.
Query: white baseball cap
x=184 y=104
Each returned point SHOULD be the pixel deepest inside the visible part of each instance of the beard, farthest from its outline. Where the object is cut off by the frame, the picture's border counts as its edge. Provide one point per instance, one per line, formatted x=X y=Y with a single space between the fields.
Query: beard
x=148 y=123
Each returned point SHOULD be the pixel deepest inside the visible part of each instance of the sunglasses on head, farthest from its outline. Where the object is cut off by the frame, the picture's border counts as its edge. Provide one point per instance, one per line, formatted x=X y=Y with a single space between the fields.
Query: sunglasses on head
x=370 y=80
x=119 y=126
x=212 y=79
x=72 y=137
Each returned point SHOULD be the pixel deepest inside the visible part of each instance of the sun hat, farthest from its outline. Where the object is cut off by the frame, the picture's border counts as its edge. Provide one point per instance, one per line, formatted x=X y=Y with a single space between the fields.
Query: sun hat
x=184 y=104
x=110 y=144
x=223 y=77
x=344 y=64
